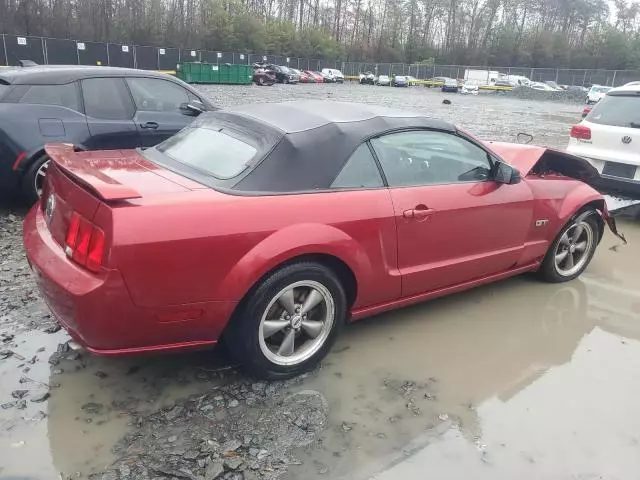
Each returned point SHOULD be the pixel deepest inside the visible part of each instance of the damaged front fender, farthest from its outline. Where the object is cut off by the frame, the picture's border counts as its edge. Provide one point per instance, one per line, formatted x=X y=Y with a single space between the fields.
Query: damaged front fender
x=541 y=161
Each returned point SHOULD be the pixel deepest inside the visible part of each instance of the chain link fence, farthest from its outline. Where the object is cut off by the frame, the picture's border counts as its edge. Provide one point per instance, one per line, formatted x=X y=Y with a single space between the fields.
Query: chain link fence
x=57 y=51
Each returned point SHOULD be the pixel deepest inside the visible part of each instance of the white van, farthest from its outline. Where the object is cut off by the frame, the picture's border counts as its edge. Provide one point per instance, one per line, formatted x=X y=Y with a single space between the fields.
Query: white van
x=333 y=75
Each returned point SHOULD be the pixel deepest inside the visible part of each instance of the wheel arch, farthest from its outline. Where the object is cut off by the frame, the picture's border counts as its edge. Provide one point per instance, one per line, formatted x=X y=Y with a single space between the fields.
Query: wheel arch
x=339 y=267
x=594 y=202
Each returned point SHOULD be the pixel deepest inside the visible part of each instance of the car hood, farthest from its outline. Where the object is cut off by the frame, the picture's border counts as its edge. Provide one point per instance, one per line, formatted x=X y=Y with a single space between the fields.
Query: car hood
x=531 y=159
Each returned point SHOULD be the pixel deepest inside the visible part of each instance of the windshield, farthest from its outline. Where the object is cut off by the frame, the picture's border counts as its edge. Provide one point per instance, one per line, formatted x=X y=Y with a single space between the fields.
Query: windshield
x=214 y=152
x=600 y=89
x=617 y=110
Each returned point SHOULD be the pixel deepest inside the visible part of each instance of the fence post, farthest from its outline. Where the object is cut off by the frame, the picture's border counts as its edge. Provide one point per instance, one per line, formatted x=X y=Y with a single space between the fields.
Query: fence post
x=557 y=72
x=584 y=79
x=109 y=58
x=613 y=82
x=6 y=55
x=44 y=50
x=157 y=58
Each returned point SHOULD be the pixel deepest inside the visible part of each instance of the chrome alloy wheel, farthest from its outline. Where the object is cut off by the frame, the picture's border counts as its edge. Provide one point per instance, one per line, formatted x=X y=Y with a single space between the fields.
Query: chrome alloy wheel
x=296 y=323
x=41 y=175
x=573 y=249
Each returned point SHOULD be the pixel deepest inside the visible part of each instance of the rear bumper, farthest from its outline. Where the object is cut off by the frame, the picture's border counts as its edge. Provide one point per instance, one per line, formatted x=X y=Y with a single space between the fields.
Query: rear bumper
x=98 y=311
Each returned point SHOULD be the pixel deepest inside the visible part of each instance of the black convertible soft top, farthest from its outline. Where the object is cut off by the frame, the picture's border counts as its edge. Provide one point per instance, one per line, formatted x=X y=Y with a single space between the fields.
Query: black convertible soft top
x=303 y=145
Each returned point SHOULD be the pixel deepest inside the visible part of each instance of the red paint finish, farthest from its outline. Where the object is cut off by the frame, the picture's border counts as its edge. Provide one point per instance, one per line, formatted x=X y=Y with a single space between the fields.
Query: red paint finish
x=177 y=257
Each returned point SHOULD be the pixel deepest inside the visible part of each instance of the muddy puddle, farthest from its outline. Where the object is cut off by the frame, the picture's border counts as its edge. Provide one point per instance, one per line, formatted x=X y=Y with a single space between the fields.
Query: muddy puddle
x=517 y=379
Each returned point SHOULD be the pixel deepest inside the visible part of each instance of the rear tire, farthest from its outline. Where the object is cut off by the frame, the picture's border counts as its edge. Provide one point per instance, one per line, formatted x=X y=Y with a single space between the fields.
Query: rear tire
x=33 y=179
x=269 y=336
x=572 y=250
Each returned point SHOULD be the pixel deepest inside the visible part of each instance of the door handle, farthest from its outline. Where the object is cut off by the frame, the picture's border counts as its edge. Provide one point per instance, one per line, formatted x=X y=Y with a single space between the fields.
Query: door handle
x=149 y=125
x=419 y=212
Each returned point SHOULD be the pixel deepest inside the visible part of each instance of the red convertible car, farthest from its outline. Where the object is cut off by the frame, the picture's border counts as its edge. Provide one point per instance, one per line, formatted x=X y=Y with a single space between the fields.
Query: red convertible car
x=272 y=225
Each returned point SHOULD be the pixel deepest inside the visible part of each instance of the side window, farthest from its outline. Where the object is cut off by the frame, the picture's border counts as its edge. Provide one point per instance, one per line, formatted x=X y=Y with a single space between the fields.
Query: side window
x=156 y=95
x=61 y=95
x=430 y=158
x=360 y=171
x=107 y=98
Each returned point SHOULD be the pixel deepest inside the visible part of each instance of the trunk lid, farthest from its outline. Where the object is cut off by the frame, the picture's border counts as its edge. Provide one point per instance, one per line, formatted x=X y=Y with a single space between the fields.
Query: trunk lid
x=113 y=175
x=83 y=182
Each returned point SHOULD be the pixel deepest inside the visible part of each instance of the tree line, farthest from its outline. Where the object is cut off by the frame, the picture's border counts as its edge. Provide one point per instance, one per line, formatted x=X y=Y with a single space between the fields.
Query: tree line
x=531 y=33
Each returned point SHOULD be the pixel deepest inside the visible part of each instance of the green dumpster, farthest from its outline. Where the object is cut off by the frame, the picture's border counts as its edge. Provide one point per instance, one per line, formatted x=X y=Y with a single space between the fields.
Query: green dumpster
x=196 y=72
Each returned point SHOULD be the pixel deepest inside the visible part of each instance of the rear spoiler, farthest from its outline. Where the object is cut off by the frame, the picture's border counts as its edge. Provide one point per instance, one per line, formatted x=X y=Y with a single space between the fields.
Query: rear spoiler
x=77 y=165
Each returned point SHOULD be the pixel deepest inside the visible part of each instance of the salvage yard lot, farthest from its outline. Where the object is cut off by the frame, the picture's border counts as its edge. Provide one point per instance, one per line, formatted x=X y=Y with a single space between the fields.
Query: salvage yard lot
x=515 y=380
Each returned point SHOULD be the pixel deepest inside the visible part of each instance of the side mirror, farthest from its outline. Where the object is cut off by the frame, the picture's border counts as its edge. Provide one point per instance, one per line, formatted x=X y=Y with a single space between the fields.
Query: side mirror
x=506 y=174
x=192 y=108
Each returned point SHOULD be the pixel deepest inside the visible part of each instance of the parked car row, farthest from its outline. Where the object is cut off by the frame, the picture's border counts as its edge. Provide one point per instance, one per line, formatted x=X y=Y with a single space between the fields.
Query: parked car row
x=369 y=78
x=268 y=74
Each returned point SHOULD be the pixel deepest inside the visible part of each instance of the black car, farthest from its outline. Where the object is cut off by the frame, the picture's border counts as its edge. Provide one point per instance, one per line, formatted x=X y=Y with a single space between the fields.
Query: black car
x=284 y=74
x=94 y=108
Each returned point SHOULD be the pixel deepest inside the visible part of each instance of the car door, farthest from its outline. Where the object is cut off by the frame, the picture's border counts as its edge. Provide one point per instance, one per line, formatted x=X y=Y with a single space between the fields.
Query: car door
x=454 y=223
x=109 y=111
x=158 y=115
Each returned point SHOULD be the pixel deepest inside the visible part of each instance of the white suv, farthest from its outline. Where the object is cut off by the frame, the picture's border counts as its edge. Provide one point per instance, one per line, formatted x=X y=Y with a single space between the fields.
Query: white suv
x=609 y=138
x=333 y=75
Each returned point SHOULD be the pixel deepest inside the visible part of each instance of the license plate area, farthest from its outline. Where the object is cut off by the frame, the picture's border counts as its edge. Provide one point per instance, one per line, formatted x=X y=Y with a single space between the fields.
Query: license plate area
x=620 y=170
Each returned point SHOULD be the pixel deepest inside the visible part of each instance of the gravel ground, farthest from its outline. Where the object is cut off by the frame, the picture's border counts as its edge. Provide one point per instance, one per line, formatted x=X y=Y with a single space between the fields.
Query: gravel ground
x=194 y=416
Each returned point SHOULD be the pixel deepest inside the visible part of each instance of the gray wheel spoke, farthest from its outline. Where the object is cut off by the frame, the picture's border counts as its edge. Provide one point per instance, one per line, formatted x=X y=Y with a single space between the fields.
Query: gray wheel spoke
x=569 y=261
x=313 y=299
x=42 y=172
x=577 y=232
x=564 y=240
x=561 y=256
x=287 y=301
x=581 y=247
x=269 y=327
x=313 y=328
x=289 y=336
x=287 y=346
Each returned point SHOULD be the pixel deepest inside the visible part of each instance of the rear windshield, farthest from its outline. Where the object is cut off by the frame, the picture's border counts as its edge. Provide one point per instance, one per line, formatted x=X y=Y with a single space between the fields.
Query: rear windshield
x=616 y=110
x=215 y=152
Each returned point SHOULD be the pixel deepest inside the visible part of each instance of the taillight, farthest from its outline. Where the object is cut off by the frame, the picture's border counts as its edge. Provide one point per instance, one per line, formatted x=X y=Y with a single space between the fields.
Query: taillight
x=586 y=111
x=581 y=132
x=84 y=243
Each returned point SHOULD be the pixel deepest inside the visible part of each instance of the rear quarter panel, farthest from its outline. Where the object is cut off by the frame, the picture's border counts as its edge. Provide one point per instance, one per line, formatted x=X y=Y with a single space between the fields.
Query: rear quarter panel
x=29 y=127
x=208 y=246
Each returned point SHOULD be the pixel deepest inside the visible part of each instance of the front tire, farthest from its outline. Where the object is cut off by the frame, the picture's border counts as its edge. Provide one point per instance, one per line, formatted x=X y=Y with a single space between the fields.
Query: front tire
x=572 y=250
x=289 y=321
x=34 y=179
